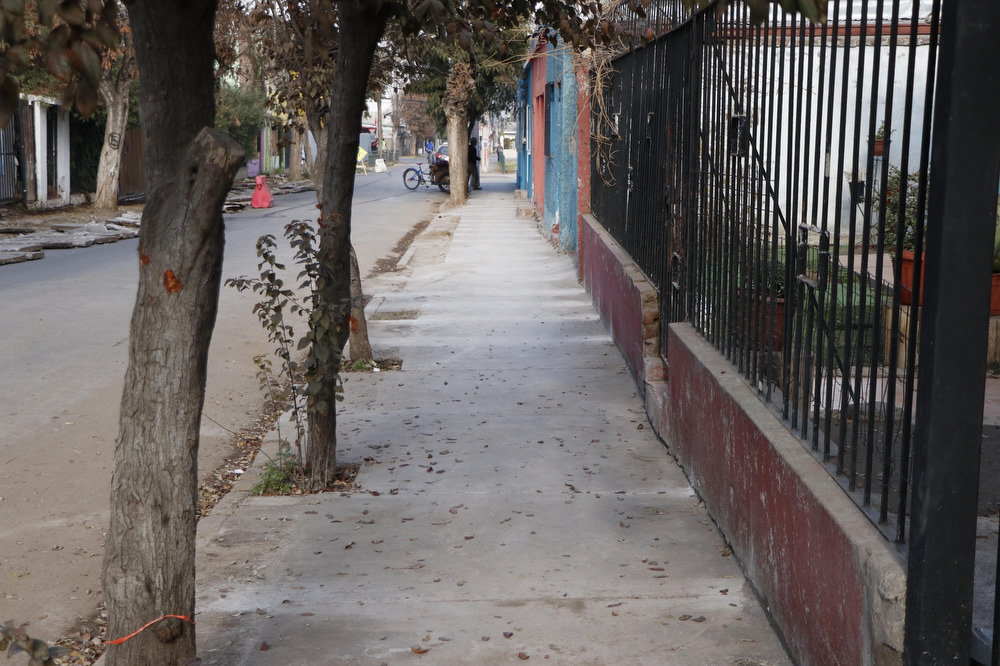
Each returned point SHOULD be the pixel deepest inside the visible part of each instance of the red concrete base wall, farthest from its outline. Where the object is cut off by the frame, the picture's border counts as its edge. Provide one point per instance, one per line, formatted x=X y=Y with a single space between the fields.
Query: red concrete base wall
x=831 y=581
x=627 y=301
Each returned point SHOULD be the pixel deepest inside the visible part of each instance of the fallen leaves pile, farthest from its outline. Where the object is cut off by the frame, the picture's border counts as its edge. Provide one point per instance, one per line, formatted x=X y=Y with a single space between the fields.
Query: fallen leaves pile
x=86 y=644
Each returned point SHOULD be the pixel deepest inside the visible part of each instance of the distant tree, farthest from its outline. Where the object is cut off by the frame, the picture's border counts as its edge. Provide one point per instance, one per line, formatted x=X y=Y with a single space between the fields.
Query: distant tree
x=119 y=73
x=461 y=96
x=414 y=115
x=241 y=114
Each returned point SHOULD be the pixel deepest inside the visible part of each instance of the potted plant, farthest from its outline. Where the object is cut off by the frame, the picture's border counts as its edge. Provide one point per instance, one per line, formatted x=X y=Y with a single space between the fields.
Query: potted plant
x=879 y=142
x=908 y=227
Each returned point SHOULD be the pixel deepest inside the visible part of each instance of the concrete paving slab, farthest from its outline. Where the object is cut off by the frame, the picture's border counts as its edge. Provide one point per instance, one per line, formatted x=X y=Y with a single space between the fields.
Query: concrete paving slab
x=512 y=500
x=13 y=257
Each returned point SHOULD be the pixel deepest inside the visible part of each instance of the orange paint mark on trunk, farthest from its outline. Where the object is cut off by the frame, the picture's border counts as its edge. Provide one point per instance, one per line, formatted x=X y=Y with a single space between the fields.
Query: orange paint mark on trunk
x=171 y=282
x=354 y=324
x=143 y=257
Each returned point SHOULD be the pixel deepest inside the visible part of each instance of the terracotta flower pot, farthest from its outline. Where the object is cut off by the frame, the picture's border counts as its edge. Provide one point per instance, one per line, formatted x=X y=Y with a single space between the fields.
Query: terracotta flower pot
x=906 y=284
x=906 y=279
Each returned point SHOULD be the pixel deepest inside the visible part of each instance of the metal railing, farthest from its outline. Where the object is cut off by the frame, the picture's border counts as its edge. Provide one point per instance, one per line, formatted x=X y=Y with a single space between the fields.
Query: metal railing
x=772 y=180
x=755 y=173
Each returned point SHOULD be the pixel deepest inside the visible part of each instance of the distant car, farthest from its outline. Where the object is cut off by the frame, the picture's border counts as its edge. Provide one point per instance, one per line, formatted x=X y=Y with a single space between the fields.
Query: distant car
x=441 y=153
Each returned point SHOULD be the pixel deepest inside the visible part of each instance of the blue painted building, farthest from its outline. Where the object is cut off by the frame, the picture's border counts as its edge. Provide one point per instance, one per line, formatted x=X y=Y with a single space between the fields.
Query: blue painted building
x=547 y=141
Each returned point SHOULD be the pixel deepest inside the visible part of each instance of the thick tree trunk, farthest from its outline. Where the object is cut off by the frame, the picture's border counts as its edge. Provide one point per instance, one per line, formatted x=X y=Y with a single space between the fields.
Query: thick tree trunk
x=114 y=93
x=455 y=102
x=149 y=563
x=458 y=139
x=362 y=24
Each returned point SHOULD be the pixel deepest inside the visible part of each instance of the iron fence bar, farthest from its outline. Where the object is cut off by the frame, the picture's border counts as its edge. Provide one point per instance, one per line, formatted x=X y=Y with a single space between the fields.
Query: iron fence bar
x=814 y=142
x=770 y=219
x=798 y=184
x=823 y=273
x=849 y=309
x=690 y=156
x=948 y=438
x=785 y=264
x=887 y=435
x=869 y=435
x=797 y=344
x=825 y=224
x=896 y=318
x=838 y=227
x=925 y=148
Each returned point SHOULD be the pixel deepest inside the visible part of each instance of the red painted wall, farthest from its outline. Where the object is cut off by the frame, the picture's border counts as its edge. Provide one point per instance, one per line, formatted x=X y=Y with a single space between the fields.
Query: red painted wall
x=539 y=66
x=612 y=289
x=791 y=546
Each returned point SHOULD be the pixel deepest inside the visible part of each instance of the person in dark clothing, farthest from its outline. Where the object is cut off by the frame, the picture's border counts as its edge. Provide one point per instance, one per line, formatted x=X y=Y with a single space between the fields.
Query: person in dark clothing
x=473 y=165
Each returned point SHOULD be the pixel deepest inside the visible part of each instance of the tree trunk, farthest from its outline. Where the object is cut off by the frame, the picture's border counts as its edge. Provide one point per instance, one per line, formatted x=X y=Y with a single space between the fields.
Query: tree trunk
x=361 y=345
x=149 y=562
x=458 y=139
x=310 y=160
x=459 y=88
x=295 y=156
x=362 y=24
x=114 y=93
x=318 y=168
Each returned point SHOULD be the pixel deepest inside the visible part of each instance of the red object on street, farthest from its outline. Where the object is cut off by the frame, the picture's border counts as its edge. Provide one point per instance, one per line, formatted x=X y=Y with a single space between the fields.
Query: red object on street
x=262 y=195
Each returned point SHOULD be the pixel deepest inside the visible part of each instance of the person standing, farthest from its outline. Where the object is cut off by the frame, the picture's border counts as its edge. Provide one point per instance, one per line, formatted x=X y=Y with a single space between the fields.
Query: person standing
x=473 y=165
x=429 y=149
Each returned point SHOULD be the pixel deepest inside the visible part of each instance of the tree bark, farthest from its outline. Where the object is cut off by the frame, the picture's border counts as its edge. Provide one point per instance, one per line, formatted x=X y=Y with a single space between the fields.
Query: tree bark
x=362 y=24
x=458 y=89
x=149 y=562
x=361 y=345
x=114 y=92
x=458 y=139
x=310 y=160
x=318 y=168
x=295 y=156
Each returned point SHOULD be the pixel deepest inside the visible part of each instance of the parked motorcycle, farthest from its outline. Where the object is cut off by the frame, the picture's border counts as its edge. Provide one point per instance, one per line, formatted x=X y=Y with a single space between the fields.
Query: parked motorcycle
x=440 y=175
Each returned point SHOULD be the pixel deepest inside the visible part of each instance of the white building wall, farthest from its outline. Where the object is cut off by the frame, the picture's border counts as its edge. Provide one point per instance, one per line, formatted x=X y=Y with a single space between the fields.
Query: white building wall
x=63 y=185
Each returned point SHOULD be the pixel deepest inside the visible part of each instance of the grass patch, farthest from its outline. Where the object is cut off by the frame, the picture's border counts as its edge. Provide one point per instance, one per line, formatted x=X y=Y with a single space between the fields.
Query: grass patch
x=279 y=475
x=394 y=315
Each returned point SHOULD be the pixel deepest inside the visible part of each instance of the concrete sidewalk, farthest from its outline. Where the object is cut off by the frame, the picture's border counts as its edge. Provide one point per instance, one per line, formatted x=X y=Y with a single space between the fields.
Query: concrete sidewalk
x=514 y=502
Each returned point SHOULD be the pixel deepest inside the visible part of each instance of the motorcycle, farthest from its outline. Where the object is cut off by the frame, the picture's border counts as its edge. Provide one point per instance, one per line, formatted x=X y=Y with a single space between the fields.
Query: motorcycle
x=440 y=175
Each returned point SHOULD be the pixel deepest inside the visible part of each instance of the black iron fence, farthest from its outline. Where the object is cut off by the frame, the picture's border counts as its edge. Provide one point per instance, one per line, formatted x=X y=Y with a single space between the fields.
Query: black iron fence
x=11 y=161
x=772 y=180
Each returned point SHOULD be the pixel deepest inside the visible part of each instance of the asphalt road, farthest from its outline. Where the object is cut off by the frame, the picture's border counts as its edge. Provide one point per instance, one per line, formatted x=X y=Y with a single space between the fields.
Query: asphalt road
x=63 y=347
